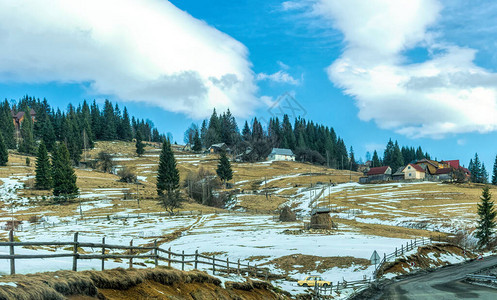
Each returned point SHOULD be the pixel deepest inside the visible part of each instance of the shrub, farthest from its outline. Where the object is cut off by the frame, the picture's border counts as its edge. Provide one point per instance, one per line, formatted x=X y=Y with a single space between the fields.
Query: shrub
x=105 y=161
x=127 y=174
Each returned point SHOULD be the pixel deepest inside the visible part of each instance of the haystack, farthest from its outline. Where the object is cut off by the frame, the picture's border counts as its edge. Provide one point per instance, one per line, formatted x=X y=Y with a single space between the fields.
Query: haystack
x=287 y=215
x=321 y=221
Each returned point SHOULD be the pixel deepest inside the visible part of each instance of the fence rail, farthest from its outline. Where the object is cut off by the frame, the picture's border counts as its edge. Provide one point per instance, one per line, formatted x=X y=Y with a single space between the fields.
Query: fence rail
x=221 y=265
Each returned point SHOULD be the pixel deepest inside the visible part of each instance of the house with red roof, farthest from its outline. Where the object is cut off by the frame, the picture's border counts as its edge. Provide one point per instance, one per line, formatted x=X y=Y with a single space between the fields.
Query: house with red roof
x=377 y=174
x=414 y=172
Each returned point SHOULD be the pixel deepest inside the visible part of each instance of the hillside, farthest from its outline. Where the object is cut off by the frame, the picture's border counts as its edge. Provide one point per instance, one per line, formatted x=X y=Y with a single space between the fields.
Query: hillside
x=131 y=284
x=378 y=217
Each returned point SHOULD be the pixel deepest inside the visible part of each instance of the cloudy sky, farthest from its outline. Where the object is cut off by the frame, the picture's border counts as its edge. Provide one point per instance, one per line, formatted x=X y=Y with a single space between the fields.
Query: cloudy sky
x=423 y=72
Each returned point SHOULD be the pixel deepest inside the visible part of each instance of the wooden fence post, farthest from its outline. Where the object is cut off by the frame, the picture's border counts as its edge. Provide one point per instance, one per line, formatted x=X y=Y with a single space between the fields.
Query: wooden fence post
x=238 y=267
x=156 y=254
x=12 y=259
x=75 y=253
x=255 y=270
x=213 y=265
x=103 y=253
x=267 y=274
x=228 y=265
x=401 y=249
x=183 y=260
x=131 y=253
x=248 y=268
x=395 y=251
x=196 y=259
x=169 y=258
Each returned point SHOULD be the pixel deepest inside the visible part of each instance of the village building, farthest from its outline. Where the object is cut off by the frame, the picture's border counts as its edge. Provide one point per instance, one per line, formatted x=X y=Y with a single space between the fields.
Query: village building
x=281 y=154
x=18 y=117
x=218 y=148
x=398 y=175
x=413 y=172
x=377 y=174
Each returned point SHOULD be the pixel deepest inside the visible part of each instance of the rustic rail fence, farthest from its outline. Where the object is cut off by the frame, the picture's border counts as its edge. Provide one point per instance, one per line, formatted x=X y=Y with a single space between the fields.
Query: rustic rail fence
x=402 y=250
x=133 y=252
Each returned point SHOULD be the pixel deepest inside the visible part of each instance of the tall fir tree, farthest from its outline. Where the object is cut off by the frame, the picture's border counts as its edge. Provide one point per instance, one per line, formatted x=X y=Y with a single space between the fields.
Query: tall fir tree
x=375 y=160
x=63 y=176
x=486 y=218
x=224 y=168
x=475 y=169
x=167 y=174
x=4 y=153
x=197 y=144
x=494 y=173
x=353 y=163
x=28 y=144
x=7 y=125
x=43 y=177
x=140 y=147
x=483 y=174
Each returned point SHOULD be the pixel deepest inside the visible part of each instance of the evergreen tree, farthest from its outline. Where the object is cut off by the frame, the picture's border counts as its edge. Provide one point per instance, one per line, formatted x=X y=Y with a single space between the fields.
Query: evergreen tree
x=63 y=176
x=376 y=160
x=246 y=133
x=483 y=174
x=486 y=218
x=476 y=174
x=397 y=159
x=108 y=122
x=494 y=173
x=224 y=168
x=4 y=153
x=388 y=155
x=28 y=144
x=140 y=147
x=167 y=174
x=197 y=144
x=7 y=125
x=353 y=163
x=43 y=178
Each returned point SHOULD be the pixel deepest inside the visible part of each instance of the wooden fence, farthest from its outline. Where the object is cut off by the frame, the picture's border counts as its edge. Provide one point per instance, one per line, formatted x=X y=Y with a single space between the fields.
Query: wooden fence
x=401 y=250
x=133 y=252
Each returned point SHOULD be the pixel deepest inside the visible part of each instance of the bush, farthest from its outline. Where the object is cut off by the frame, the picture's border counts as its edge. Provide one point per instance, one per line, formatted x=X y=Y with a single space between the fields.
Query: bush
x=127 y=174
x=105 y=161
x=200 y=186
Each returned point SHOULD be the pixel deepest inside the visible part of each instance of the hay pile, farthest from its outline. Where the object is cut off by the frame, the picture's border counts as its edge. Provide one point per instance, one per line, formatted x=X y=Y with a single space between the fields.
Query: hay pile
x=322 y=221
x=287 y=215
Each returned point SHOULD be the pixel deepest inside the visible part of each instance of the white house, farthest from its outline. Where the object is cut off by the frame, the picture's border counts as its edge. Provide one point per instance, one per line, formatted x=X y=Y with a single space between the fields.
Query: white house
x=281 y=154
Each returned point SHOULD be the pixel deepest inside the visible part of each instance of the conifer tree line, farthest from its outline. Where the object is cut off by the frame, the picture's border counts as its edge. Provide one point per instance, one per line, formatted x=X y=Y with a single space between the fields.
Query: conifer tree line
x=478 y=171
x=309 y=141
x=78 y=127
x=396 y=157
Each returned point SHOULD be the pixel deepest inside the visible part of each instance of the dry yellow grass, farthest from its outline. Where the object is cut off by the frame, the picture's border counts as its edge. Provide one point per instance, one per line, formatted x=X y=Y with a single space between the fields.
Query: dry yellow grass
x=309 y=263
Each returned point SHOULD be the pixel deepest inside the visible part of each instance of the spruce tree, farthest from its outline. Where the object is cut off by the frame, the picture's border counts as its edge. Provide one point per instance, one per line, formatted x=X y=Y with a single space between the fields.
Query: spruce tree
x=353 y=163
x=224 y=168
x=7 y=125
x=483 y=174
x=28 y=143
x=63 y=176
x=494 y=173
x=140 y=147
x=197 y=144
x=4 y=153
x=376 y=160
x=486 y=218
x=43 y=178
x=167 y=174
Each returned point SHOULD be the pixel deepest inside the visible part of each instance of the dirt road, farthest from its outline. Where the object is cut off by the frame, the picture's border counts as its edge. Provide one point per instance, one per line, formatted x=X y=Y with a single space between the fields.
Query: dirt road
x=441 y=284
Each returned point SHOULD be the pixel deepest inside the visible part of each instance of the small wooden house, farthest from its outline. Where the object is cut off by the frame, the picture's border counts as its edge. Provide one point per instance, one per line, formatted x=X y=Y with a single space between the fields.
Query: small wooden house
x=413 y=172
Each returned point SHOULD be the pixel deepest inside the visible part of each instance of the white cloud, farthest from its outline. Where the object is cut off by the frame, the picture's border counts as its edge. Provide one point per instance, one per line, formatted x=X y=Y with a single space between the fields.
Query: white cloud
x=283 y=65
x=135 y=50
x=445 y=94
x=279 y=77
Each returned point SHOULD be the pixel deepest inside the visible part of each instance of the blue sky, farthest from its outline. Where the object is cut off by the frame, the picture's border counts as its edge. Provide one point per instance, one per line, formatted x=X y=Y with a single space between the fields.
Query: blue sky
x=421 y=72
